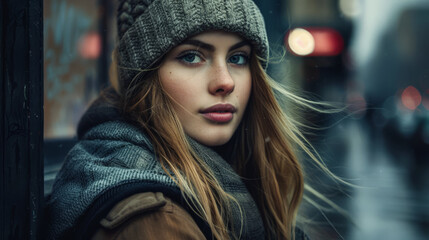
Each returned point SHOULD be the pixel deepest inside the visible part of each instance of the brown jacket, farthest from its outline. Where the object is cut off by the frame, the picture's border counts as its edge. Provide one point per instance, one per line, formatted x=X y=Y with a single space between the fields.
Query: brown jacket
x=152 y=216
x=148 y=216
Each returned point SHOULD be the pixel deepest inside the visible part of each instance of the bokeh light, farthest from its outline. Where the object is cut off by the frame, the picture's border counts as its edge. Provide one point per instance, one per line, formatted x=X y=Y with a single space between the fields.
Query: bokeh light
x=315 y=41
x=301 y=42
x=328 y=42
x=411 y=98
x=350 y=8
x=90 y=46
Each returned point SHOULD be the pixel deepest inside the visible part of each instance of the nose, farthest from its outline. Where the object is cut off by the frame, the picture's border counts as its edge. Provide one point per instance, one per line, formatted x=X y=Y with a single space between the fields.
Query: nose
x=221 y=82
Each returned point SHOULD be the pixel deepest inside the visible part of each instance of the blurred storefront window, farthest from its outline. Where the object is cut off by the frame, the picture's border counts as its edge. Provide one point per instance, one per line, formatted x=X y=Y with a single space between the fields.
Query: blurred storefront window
x=73 y=50
x=79 y=37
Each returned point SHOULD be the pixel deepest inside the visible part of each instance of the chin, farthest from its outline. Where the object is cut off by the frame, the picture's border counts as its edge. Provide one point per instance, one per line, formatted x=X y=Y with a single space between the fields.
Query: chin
x=213 y=140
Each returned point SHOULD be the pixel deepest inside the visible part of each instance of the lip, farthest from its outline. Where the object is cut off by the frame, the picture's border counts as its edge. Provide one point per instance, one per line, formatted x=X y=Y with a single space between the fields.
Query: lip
x=219 y=113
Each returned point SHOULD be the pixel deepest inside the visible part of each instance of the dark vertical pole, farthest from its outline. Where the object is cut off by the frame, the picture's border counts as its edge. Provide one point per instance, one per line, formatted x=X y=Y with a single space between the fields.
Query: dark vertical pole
x=21 y=118
x=105 y=12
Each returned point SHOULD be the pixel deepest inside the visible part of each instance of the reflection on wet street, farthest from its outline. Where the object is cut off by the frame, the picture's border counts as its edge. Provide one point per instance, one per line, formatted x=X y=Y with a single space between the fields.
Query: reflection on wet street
x=392 y=197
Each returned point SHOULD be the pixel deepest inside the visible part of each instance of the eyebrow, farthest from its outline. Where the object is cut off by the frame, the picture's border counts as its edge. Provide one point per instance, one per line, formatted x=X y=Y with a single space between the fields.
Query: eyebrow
x=212 y=48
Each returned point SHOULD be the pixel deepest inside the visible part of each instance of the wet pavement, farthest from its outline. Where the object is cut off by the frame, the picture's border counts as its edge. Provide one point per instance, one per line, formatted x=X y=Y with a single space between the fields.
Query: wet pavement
x=391 y=199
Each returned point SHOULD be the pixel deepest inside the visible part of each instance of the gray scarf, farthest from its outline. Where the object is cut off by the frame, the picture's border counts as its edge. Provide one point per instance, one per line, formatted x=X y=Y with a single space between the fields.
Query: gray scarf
x=114 y=160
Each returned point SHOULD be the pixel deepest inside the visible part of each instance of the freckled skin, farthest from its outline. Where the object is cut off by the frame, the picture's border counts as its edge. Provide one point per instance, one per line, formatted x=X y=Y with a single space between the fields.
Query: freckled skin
x=212 y=78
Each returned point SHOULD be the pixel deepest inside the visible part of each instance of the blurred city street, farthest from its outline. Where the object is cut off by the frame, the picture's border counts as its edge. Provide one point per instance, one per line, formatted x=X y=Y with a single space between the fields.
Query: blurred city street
x=388 y=150
x=391 y=200
x=382 y=144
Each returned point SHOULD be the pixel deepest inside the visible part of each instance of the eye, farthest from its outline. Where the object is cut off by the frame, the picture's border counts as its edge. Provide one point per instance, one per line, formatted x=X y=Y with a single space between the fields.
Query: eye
x=239 y=59
x=190 y=57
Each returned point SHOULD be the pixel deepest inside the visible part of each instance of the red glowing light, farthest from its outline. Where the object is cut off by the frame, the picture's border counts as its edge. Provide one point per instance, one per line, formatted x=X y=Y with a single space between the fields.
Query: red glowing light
x=411 y=98
x=326 y=41
x=90 y=46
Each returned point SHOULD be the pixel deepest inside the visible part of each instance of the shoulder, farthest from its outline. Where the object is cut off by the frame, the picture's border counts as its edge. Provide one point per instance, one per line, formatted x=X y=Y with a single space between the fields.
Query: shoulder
x=149 y=215
x=112 y=143
x=108 y=159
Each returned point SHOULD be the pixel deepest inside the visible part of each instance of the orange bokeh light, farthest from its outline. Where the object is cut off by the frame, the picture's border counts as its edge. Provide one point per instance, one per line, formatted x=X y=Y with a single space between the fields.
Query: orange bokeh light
x=411 y=97
x=90 y=45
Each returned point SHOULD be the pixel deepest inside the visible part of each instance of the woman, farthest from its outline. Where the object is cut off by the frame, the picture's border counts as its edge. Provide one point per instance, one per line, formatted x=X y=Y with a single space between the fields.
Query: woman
x=191 y=143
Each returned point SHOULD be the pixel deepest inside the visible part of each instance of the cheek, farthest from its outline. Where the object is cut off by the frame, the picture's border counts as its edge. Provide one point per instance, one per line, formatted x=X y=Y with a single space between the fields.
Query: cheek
x=168 y=79
x=181 y=94
x=245 y=88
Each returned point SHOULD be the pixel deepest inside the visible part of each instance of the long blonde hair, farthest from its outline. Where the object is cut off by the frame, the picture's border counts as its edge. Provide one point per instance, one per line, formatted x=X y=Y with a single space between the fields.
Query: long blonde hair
x=264 y=145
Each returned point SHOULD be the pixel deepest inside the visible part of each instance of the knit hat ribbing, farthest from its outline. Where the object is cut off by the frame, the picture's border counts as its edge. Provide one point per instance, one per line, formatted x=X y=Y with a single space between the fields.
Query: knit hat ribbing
x=148 y=29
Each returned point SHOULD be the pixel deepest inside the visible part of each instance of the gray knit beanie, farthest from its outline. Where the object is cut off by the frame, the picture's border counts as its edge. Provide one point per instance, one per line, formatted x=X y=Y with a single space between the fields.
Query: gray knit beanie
x=148 y=29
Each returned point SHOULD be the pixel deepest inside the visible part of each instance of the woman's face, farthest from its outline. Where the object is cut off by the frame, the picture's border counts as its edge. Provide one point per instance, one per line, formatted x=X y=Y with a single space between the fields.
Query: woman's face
x=208 y=78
